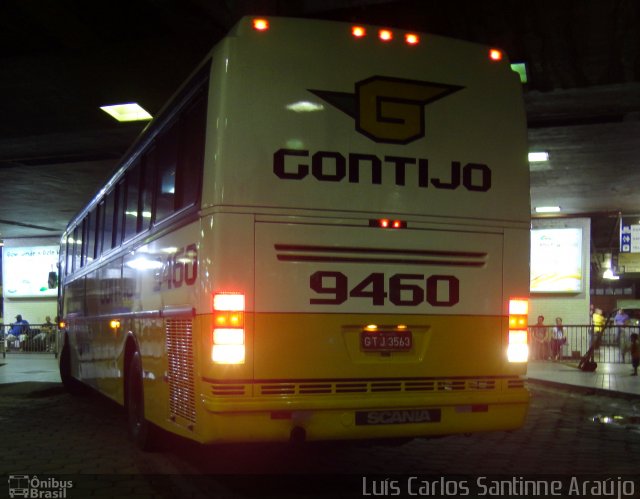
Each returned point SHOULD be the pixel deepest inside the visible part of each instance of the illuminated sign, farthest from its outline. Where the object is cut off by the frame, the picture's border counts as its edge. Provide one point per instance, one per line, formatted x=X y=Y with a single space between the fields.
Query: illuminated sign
x=25 y=271
x=556 y=260
x=629 y=238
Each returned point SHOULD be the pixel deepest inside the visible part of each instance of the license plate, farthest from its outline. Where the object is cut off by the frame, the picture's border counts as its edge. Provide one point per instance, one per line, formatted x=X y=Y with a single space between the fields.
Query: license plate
x=403 y=416
x=386 y=341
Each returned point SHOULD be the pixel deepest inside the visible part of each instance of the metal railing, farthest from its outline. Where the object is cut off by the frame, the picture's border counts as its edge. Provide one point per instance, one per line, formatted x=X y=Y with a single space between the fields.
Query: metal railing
x=37 y=338
x=613 y=347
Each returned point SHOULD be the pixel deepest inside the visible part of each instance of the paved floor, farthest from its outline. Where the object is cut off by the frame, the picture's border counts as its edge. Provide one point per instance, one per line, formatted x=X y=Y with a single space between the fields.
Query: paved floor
x=19 y=368
x=607 y=378
x=24 y=367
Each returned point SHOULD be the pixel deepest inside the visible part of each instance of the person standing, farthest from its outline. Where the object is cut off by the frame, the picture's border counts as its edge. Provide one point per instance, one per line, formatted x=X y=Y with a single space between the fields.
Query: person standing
x=598 y=327
x=635 y=353
x=557 y=340
x=539 y=332
x=620 y=320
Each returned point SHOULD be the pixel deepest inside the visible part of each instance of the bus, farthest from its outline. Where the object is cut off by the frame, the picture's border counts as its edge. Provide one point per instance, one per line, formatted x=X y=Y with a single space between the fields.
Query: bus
x=323 y=235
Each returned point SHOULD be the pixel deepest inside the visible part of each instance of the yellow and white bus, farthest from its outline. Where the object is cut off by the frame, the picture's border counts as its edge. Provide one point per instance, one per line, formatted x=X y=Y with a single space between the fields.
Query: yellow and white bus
x=324 y=235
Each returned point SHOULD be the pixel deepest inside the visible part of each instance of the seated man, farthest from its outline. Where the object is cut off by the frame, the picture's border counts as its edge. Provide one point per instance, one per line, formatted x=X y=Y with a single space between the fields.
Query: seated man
x=45 y=337
x=18 y=331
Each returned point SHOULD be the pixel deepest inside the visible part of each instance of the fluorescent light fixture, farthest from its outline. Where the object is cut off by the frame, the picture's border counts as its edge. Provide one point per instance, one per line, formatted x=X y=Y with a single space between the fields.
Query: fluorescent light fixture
x=547 y=209
x=538 y=157
x=131 y=111
x=521 y=69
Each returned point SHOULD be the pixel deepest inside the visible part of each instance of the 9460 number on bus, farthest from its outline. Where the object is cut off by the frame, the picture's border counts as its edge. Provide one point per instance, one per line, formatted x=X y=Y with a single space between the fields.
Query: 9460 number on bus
x=403 y=290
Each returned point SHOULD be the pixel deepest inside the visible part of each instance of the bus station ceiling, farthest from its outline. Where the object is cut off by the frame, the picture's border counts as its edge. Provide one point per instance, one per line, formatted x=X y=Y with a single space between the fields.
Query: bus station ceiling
x=60 y=61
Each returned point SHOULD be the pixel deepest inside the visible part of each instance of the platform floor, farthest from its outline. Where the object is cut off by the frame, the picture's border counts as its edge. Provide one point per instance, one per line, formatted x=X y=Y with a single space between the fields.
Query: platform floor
x=616 y=378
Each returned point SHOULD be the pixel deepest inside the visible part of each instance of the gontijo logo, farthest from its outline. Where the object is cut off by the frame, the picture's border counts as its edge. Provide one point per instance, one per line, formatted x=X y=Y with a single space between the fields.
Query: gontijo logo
x=389 y=110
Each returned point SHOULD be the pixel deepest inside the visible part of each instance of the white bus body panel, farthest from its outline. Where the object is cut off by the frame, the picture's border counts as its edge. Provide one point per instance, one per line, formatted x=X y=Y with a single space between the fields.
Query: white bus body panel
x=265 y=99
x=287 y=255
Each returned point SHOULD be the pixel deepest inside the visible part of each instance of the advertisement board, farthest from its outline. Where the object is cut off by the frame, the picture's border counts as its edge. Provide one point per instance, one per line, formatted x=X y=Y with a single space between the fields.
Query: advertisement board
x=27 y=271
x=556 y=260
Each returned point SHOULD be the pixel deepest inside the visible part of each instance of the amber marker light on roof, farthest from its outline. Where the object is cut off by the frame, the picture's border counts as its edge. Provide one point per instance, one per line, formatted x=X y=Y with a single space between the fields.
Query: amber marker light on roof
x=260 y=24
x=385 y=35
x=495 y=55
x=358 y=31
x=412 y=39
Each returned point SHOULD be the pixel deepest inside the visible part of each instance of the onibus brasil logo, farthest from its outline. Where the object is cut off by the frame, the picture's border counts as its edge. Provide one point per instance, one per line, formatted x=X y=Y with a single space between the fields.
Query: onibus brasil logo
x=41 y=488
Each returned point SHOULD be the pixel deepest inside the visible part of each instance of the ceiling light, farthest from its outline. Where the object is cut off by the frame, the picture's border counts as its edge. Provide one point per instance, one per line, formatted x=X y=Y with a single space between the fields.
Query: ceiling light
x=547 y=209
x=538 y=157
x=608 y=274
x=131 y=111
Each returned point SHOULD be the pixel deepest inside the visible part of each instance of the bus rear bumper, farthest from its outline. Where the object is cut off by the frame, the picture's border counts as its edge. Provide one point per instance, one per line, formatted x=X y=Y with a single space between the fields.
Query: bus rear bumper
x=360 y=418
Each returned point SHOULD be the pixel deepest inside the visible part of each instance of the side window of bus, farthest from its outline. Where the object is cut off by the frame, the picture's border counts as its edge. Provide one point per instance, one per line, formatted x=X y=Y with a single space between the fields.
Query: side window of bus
x=99 y=227
x=107 y=232
x=118 y=219
x=166 y=164
x=192 y=136
x=86 y=238
x=69 y=244
x=90 y=243
x=131 y=210
x=82 y=248
x=63 y=259
x=74 y=251
x=146 y=189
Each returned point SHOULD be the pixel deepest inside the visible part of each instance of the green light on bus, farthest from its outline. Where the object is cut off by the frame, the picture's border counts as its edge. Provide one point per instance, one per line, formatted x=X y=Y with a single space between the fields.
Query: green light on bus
x=521 y=69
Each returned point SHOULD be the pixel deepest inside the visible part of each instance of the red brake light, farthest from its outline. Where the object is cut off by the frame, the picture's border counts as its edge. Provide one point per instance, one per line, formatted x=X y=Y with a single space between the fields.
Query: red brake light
x=228 y=302
x=228 y=344
x=518 y=348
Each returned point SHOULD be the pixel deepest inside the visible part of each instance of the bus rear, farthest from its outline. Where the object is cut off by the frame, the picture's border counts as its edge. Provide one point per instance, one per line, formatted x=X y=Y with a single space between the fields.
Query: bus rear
x=364 y=236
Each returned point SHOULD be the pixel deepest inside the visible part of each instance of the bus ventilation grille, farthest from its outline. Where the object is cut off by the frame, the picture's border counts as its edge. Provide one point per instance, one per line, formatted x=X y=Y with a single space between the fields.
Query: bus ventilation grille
x=220 y=389
x=397 y=386
x=180 y=372
x=515 y=383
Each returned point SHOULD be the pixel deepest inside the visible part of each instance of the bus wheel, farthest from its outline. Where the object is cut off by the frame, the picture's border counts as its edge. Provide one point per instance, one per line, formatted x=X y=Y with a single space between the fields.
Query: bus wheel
x=141 y=432
x=71 y=384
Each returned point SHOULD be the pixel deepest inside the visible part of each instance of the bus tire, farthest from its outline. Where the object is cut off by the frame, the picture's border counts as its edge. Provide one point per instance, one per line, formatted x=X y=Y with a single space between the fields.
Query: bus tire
x=141 y=432
x=71 y=384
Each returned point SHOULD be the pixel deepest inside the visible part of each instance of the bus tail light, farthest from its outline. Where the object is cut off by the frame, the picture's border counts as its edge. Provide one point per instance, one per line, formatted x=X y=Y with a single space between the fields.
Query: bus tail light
x=228 y=346
x=518 y=348
x=386 y=223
